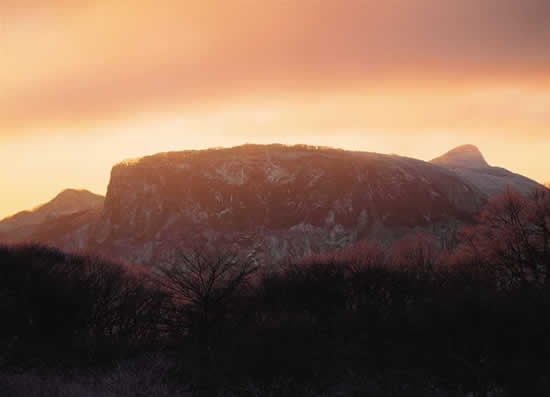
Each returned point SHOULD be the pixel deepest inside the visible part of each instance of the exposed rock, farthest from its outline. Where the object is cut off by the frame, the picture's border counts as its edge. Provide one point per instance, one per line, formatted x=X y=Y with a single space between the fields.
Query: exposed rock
x=275 y=199
x=465 y=156
x=468 y=162
x=272 y=199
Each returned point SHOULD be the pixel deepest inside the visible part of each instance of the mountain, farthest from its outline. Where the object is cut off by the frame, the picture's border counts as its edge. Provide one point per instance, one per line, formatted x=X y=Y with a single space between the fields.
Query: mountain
x=465 y=156
x=69 y=204
x=469 y=164
x=276 y=199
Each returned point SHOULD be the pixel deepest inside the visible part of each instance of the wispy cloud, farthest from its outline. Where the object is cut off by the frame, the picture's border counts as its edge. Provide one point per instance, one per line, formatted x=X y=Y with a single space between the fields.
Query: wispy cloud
x=68 y=61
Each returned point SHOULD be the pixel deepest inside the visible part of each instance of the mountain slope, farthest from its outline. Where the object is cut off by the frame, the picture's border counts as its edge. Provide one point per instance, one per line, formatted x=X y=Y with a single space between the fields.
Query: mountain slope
x=465 y=156
x=23 y=225
x=469 y=164
x=281 y=200
x=276 y=200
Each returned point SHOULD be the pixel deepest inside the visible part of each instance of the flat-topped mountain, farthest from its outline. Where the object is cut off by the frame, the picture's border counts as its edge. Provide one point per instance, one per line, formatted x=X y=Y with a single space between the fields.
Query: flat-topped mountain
x=281 y=200
x=468 y=162
x=276 y=200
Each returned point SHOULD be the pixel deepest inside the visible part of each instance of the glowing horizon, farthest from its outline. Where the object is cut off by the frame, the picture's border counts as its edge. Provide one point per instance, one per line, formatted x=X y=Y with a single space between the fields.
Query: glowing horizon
x=84 y=85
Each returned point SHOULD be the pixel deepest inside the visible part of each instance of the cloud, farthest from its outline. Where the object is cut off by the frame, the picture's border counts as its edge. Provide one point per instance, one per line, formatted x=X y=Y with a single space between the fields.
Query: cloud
x=65 y=62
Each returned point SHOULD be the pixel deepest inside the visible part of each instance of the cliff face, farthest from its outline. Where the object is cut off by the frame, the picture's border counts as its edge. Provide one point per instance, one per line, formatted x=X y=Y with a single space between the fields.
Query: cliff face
x=275 y=199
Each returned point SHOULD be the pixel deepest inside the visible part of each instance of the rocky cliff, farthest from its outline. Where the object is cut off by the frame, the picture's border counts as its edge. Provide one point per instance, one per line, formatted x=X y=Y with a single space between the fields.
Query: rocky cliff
x=275 y=199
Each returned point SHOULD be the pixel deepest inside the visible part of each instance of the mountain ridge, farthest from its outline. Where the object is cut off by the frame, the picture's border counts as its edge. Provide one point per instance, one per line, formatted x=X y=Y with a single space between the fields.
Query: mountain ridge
x=275 y=199
x=69 y=201
x=468 y=162
x=299 y=199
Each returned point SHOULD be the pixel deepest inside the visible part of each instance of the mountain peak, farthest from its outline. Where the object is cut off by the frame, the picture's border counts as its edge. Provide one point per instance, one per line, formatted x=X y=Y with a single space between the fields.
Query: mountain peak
x=69 y=201
x=465 y=156
x=75 y=193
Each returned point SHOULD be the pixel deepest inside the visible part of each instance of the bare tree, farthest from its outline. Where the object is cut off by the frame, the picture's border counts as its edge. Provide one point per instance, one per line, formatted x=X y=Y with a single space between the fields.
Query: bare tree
x=203 y=285
x=418 y=252
x=512 y=237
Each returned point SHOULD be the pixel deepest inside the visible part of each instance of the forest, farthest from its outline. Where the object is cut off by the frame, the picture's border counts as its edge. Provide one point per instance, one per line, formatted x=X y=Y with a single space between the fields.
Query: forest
x=406 y=319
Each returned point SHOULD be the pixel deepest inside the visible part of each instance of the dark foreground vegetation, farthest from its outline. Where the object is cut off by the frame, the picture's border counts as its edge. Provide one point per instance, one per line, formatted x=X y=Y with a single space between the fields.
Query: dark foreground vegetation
x=410 y=320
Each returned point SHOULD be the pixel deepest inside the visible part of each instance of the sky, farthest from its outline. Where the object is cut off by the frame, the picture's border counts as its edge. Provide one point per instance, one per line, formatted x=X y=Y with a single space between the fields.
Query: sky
x=87 y=84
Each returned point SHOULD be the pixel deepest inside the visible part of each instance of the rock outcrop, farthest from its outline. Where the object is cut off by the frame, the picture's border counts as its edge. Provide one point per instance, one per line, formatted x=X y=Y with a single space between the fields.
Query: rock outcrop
x=275 y=199
x=272 y=199
x=468 y=163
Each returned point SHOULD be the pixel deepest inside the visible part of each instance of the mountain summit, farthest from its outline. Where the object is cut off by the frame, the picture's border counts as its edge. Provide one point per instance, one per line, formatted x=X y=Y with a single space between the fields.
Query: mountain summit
x=69 y=202
x=276 y=200
x=465 y=156
x=468 y=163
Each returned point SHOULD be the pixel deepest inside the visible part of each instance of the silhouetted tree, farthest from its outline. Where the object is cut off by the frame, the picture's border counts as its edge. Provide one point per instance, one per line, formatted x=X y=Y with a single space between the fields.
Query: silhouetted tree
x=405 y=319
x=60 y=307
x=513 y=237
x=203 y=285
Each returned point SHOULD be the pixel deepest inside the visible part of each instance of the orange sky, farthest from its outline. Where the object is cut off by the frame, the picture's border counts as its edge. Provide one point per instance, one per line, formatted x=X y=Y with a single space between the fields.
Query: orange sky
x=85 y=84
